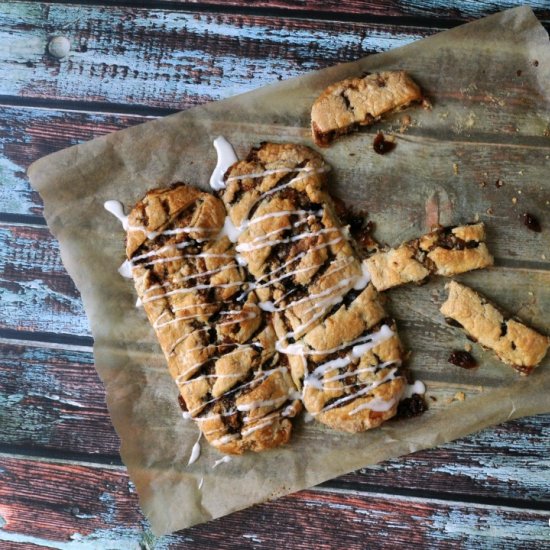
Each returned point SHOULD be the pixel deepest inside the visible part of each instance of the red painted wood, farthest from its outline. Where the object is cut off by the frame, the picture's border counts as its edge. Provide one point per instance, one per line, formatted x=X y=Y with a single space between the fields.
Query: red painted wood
x=437 y=11
x=63 y=502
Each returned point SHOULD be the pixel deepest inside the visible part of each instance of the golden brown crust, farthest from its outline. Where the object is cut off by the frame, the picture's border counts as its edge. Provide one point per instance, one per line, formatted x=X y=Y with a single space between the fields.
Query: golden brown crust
x=305 y=270
x=219 y=349
x=513 y=342
x=356 y=102
x=445 y=251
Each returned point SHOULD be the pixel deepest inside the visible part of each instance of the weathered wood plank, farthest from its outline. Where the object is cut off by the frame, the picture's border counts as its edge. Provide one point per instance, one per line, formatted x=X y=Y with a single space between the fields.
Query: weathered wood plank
x=169 y=58
x=52 y=399
x=43 y=299
x=456 y=10
x=28 y=134
x=67 y=506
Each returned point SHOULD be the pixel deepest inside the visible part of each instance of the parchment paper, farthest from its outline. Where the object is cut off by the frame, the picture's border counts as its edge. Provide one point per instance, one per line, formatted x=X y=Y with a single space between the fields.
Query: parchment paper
x=462 y=70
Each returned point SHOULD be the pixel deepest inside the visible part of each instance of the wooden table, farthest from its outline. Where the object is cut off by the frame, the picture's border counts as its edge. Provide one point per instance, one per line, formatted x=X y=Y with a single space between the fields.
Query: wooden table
x=62 y=484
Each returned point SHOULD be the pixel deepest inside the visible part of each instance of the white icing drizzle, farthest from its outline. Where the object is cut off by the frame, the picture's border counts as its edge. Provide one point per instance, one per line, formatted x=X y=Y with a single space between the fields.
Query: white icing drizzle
x=126 y=269
x=117 y=209
x=195 y=452
x=223 y=460
x=201 y=482
x=226 y=157
x=186 y=415
x=418 y=387
x=376 y=404
x=363 y=391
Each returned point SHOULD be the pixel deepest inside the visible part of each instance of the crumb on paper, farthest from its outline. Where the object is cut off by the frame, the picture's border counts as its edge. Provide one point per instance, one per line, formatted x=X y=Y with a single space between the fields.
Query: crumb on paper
x=499 y=183
x=458 y=396
x=427 y=104
x=490 y=211
x=406 y=121
x=514 y=200
x=468 y=347
x=455 y=168
x=482 y=183
x=433 y=398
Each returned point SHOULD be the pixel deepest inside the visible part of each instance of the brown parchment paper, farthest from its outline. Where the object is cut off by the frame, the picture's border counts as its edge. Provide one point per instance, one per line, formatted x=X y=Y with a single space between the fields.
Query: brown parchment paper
x=469 y=73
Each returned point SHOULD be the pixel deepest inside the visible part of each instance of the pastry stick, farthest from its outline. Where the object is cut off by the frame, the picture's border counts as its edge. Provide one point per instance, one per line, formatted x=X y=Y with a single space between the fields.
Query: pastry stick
x=343 y=349
x=218 y=347
x=514 y=343
x=354 y=102
x=445 y=251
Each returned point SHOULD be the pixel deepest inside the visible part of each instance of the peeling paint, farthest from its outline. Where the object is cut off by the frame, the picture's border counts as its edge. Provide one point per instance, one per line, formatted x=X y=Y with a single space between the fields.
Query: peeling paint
x=476 y=530
x=174 y=61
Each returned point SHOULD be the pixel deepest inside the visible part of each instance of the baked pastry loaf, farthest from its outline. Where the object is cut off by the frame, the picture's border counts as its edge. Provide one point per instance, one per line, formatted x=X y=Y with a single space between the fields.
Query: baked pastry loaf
x=343 y=349
x=512 y=341
x=219 y=348
x=445 y=251
x=354 y=102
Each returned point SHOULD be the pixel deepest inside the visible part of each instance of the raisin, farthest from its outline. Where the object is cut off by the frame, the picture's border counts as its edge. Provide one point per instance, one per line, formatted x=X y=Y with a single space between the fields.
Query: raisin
x=411 y=406
x=531 y=222
x=182 y=404
x=462 y=359
x=381 y=145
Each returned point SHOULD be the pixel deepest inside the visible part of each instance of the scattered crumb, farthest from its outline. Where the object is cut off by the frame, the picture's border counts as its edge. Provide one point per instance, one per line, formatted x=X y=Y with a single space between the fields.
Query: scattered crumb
x=455 y=168
x=476 y=217
x=514 y=200
x=530 y=293
x=520 y=172
x=499 y=183
x=490 y=211
x=468 y=347
x=519 y=191
x=483 y=184
x=406 y=121
x=543 y=256
x=518 y=72
x=459 y=396
x=546 y=132
x=433 y=397
x=427 y=104
x=535 y=63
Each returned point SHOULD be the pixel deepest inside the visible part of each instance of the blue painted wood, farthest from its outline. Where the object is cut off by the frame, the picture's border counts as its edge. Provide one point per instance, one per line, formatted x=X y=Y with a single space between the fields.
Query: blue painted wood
x=170 y=58
x=37 y=297
x=26 y=134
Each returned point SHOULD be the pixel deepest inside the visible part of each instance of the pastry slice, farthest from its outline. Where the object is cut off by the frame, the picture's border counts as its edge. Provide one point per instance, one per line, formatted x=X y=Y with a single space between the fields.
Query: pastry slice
x=343 y=349
x=219 y=349
x=512 y=341
x=354 y=102
x=445 y=251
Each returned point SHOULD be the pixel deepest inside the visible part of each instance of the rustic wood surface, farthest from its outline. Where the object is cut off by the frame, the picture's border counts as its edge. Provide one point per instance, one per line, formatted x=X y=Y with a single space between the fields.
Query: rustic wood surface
x=62 y=484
